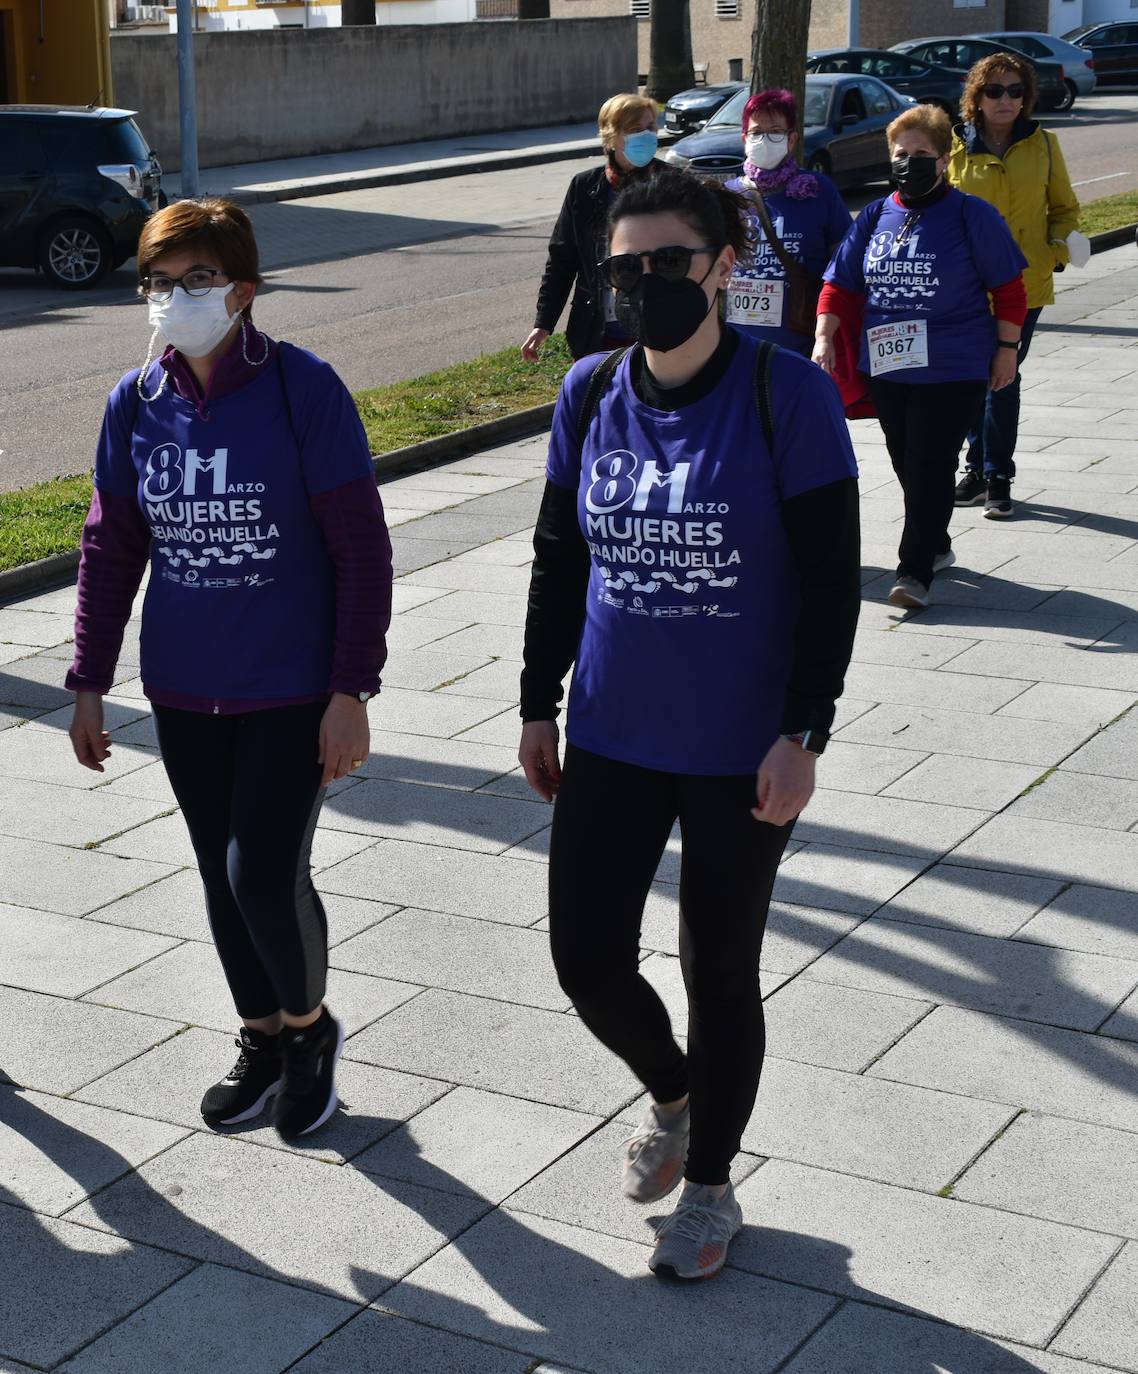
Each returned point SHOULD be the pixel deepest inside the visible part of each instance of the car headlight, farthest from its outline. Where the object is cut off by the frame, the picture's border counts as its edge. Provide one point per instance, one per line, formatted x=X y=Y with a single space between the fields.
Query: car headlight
x=674 y=159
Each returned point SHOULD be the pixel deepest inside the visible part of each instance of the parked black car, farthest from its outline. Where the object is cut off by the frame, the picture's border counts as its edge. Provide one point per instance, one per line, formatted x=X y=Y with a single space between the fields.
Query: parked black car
x=688 y=111
x=924 y=81
x=76 y=187
x=962 y=54
x=1115 y=48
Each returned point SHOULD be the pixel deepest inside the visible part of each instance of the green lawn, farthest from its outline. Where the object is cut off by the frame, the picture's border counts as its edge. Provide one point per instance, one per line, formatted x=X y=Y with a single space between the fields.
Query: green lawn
x=1112 y=212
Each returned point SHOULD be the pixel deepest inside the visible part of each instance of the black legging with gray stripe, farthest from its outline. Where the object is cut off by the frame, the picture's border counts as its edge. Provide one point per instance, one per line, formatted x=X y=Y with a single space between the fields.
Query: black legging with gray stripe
x=249 y=789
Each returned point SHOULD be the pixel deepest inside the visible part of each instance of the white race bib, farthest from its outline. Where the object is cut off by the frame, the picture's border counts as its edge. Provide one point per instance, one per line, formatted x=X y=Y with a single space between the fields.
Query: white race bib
x=901 y=344
x=755 y=301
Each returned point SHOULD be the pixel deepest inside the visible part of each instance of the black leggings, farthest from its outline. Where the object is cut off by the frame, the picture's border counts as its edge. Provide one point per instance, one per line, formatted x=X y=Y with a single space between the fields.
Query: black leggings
x=925 y=425
x=611 y=822
x=249 y=789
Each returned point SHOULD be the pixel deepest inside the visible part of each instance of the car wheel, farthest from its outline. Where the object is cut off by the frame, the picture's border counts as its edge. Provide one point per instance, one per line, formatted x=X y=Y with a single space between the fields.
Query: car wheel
x=75 y=253
x=1070 y=91
x=819 y=163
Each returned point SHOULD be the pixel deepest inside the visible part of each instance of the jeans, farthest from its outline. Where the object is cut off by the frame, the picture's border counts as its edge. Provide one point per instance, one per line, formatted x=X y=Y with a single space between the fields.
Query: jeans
x=992 y=445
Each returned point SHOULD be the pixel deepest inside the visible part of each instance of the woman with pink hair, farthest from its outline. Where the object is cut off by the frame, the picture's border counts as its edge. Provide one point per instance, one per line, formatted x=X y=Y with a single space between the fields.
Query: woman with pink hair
x=805 y=220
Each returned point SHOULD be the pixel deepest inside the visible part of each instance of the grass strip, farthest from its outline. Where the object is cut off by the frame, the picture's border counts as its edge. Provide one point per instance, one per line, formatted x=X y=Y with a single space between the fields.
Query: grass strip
x=1112 y=212
x=48 y=518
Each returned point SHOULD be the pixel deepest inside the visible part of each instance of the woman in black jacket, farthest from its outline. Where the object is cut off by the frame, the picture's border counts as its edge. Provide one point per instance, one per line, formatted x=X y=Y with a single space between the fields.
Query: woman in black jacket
x=579 y=242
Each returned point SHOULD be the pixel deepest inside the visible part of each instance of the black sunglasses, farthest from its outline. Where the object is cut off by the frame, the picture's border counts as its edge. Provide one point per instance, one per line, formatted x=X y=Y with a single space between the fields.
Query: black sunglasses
x=624 y=270
x=994 y=91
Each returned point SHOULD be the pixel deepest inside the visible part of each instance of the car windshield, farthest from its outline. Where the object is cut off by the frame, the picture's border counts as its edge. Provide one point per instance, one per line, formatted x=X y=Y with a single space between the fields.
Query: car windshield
x=1073 y=35
x=732 y=112
x=817 y=103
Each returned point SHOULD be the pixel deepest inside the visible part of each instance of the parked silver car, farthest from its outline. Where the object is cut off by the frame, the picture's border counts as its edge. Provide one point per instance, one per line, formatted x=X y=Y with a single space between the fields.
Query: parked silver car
x=1078 y=63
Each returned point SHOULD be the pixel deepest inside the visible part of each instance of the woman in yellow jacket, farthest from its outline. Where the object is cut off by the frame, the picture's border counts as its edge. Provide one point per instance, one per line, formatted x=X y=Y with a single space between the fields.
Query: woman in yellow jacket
x=1002 y=155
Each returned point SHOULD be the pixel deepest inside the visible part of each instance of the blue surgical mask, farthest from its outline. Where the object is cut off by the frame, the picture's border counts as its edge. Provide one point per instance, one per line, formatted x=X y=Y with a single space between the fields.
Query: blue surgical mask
x=640 y=148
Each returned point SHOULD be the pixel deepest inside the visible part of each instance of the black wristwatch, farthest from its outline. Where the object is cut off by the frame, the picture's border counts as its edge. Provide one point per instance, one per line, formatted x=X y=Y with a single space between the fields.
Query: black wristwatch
x=813 y=741
x=1006 y=343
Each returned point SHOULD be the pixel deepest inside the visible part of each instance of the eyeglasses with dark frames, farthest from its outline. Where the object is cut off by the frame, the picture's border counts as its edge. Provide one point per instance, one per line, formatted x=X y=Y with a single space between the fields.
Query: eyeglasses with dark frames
x=672 y=263
x=993 y=90
x=198 y=281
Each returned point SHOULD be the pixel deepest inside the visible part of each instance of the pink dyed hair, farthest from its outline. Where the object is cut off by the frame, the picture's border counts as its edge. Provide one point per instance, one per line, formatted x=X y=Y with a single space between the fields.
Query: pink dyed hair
x=775 y=102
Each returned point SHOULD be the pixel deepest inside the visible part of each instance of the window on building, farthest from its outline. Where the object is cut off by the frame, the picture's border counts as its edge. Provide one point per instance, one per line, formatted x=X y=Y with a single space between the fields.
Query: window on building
x=727 y=9
x=640 y=9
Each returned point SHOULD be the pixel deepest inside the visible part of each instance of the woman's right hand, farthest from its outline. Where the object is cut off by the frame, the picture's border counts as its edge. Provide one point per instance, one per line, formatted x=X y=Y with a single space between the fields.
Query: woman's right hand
x=537 y=755
x=531 y=349
x=90 y=741
x=824 y=355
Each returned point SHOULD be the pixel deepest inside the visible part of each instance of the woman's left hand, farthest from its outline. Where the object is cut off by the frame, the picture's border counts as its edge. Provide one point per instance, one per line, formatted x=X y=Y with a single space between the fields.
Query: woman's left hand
x=344 y=736
x=785 y=782
x=1005 y=364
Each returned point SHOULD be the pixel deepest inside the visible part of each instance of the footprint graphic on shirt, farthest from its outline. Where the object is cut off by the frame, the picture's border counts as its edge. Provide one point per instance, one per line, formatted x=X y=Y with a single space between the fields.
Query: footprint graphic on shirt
x=264 y=553
x=237 y=558
x=722 y=581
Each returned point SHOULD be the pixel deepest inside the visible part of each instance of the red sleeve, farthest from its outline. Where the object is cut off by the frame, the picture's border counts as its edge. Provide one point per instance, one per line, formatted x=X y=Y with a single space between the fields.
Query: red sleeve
x=351 y=520
x=1010 y=301
x=838 y=300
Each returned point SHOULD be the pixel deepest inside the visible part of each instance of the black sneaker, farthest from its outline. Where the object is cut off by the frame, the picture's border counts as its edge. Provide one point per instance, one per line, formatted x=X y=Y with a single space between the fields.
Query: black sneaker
x=998 y=506
x=308 y=1093
x=971 y=490
x=245 y=1090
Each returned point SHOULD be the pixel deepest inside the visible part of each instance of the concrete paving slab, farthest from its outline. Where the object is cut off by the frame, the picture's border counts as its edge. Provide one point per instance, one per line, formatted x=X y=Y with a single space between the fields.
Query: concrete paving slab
x=56 y=1046
x=212 y=1319
x=1087 y=620
x=572 y=1295
x=503 y=729
x=461 y=953
x=863 y=767
x=221 y=1201
x=406 y=633
x=399 y=712
x=1064 y=1171
x=432 y=1036
x=38 y=629
x=1082 y=799
x=841 y=879
x=1011 y=1277
x=497 y=681
x=1049 y=663
x=1105 y=1326
x=54 y=1152
x=437 y=762
x=934 y=730
x=167 y=841
x=65 y=956
x=887 y=824
x=836 y=1027
x=956 y=781
x=981 y=901
x=1064 y=1073
x=47 y=757
x=1123 y=1025
x=484 y=608
x=434 y=879
x=1113 y=753
x=457 y=576
x=916 y=686
x=148 y=781
x=1078 y=853
x=378 y=1340
x=30 y=810
x=905 y=651
x=479 y=1143
x=422 y=670
x=499 y=641
x=71 y=1284
x=1092 y=706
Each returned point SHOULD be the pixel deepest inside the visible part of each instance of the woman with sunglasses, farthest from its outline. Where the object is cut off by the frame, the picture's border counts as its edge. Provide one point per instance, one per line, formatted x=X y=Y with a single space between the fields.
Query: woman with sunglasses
x=627 y=125
x=704 y=585
x=237 y=470
x=805 y=211
x=918 y=269
x=1005 y=157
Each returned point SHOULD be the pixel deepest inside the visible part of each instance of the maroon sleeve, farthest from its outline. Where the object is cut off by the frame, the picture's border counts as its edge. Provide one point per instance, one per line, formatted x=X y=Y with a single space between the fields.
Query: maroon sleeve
x=350 y=517
x=1009 y=302
x=115 y=549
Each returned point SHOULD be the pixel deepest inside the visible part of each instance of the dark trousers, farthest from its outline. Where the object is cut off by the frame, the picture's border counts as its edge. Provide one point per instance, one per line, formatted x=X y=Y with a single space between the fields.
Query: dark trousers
x=249 y=789
x=925 y=425
x=992 y=443
x=611 y=822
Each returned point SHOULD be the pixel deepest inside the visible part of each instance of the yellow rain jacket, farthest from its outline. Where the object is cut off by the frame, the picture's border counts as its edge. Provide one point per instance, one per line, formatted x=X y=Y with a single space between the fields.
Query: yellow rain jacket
x=1030 y=188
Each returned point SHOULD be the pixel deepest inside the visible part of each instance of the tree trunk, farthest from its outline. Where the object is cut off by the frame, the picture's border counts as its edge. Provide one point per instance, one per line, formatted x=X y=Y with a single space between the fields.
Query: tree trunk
x=669 y=46
x=357 y=12
x=778 y=49
x=533 y=9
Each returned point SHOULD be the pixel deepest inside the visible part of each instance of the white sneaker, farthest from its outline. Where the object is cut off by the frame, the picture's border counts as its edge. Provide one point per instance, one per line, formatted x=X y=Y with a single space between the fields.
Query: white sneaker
x=692 y=1243
x=944 y=560
x=654 y=1154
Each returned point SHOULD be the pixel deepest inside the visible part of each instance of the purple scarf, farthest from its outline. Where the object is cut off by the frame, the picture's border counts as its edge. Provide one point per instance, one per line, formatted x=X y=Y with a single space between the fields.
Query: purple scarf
x=799 y=185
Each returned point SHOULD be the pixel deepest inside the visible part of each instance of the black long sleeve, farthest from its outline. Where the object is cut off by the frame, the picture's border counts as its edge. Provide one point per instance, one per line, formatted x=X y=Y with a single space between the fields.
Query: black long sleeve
x=556 y=613
x=823 y=528
x=561 y=266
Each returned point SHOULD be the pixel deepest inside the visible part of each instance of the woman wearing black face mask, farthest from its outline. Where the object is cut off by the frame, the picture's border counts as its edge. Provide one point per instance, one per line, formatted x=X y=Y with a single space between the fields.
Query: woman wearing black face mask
x=703 y=579
x=920 y=267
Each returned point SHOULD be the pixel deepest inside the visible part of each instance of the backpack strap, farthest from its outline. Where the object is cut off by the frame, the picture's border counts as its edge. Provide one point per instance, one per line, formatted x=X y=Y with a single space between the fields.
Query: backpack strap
x=598 y=382
x=766 y=352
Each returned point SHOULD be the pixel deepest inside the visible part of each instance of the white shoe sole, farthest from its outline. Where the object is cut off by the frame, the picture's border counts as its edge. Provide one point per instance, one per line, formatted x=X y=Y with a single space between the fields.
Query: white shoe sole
x=944 y=560
x=334 y=1097
x=250 y=1112
x=994 y=514
x=899 y=597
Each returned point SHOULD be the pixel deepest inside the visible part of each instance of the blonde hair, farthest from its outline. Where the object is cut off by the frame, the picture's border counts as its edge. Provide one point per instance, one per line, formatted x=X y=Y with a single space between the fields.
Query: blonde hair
x=985 y=70
x=619 y=113
x=925 y=119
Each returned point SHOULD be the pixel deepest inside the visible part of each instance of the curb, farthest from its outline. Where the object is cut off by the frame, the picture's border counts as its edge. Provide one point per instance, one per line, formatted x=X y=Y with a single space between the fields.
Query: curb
x=39 y=576
x=1113 y=238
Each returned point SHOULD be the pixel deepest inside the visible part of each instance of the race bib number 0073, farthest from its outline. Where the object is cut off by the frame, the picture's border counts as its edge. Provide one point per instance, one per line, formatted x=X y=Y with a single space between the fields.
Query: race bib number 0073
x=755 y=301
x=901 y=344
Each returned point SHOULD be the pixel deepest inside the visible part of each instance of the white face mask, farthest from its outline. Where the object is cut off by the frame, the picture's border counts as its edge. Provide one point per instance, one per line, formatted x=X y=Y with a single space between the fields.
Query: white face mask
x=195 y=325
x=764 y=153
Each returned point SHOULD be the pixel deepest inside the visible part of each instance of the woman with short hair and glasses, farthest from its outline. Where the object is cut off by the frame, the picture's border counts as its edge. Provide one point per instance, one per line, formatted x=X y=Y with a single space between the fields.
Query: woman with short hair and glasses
x=236 y=469
x=1002 y=155
x=696 y=562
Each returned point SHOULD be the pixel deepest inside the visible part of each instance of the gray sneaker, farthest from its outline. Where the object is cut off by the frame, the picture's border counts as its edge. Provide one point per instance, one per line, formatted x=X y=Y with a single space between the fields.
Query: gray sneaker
x=944 y=560
x=692 y=1243
x=908 y=592
x=654 y=1154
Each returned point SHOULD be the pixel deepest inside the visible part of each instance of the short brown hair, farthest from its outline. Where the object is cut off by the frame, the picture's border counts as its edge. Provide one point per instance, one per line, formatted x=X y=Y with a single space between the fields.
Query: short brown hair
x=618 y=113
x=220 y=227
x=983 y=72
x=925 y=119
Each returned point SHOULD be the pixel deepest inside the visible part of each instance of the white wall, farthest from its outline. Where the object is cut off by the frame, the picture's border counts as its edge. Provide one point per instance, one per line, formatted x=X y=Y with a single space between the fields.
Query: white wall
x=224 y=19
x=1102 y=11
x=1065 y=15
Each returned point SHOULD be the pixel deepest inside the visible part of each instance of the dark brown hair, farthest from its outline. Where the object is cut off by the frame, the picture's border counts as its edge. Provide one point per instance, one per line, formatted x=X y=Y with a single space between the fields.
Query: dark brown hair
x=714 y=212
x=983 y=72
x=218 y=226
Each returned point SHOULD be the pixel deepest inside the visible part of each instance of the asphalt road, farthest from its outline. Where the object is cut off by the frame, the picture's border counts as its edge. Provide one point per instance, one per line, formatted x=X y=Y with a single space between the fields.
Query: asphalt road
x=385 y=284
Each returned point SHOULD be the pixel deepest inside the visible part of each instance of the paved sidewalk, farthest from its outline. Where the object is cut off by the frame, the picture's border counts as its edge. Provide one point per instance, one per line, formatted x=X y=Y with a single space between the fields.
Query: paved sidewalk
x=940 y=1172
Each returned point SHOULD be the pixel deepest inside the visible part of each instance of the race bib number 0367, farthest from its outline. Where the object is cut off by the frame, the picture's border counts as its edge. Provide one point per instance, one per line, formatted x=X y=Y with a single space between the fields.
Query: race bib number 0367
x=901 y=344
x=755 y=301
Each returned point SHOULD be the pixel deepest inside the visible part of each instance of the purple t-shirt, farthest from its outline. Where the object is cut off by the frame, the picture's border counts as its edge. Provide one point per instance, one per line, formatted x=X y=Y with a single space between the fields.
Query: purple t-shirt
x=808 y=230
x=929 y=273
x=692 y=598
x=241 y=598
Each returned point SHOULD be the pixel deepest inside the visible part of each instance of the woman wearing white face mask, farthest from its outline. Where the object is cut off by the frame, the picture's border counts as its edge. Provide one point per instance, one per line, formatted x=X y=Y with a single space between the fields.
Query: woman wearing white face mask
x=627 y=125
x=774 y=295
x=237 y=469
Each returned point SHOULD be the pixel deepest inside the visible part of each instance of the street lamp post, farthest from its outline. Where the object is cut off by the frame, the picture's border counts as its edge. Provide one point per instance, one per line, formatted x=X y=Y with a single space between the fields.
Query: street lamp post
x=187 y=98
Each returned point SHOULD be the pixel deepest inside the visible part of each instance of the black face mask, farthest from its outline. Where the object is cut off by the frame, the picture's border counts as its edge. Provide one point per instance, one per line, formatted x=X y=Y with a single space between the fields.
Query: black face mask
x=915 y=175
x=663 y=314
